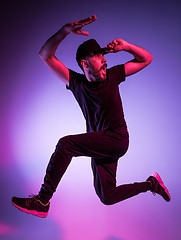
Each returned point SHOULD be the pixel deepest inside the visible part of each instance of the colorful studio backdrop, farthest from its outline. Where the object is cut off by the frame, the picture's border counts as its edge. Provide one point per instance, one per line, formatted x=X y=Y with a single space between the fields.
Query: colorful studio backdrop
x=37 y=110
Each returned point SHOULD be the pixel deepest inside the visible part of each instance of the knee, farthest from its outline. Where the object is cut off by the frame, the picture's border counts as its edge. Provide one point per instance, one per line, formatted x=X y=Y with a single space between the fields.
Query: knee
x=107 y=199
x=62 y=142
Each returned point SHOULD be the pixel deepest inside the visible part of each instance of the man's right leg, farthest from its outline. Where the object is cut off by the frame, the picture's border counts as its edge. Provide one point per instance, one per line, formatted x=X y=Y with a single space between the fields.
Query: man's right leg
x=39 y=205
x=89 y=144
x=102 y=144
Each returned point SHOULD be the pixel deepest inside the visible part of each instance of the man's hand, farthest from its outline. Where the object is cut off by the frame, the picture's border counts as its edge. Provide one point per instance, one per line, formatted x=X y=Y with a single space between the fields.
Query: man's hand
x=76 y=27
x=117 y=45
x=142 y=58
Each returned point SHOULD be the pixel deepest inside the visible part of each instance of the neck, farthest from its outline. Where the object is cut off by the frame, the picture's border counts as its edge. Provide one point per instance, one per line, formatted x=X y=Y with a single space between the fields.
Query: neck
x=92 y=78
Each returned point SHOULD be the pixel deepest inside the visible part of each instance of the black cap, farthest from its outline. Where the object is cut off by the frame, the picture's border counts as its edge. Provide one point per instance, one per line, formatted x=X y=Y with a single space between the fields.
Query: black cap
x=88 y=47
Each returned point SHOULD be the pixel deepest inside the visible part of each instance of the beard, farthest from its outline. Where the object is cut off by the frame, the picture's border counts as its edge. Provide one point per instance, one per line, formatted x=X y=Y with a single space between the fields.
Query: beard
x=98 y=75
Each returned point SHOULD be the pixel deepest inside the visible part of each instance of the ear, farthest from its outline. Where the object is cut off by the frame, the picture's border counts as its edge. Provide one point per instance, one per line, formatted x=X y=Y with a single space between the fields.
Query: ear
x=84 y=63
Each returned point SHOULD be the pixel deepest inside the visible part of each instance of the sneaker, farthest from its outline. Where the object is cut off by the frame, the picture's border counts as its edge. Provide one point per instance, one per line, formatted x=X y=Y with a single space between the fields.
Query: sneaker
x=158 y=186
x=31 y=205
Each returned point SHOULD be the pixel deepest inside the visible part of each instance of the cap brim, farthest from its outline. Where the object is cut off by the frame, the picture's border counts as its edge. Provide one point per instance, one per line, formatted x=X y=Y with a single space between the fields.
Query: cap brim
x=103 y=51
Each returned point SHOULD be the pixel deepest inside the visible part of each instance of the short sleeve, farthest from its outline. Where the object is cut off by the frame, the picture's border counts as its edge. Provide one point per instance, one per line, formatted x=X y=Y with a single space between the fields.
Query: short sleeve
x=118 y=73
x=74 y=80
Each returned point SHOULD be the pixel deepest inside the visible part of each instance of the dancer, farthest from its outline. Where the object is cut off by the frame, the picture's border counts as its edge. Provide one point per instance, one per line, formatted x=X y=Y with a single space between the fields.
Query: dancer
x=107 y=139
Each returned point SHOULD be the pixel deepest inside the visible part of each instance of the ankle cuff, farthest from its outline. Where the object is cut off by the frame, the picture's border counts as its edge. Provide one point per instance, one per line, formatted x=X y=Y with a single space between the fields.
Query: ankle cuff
x=151 y=185
x=43 y=204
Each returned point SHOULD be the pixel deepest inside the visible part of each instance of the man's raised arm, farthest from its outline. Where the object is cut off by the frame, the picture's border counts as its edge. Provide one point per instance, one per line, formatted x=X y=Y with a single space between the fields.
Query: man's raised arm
x=142 y=58
x=47 y=52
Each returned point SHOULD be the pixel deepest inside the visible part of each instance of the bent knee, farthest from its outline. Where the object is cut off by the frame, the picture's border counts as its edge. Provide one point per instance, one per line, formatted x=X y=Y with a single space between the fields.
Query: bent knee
x=107 y=199
x=63 y=141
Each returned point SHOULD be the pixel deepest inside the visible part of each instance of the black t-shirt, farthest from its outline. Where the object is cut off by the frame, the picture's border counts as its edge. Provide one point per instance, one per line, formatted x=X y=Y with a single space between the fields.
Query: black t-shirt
x=100 y=102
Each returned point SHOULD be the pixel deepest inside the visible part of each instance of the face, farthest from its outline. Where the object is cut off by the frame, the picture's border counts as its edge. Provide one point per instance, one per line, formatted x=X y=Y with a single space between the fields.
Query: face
x=97 y=67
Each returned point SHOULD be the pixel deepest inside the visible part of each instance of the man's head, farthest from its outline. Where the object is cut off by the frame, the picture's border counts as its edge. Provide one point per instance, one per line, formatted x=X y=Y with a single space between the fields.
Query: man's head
x=90 y=58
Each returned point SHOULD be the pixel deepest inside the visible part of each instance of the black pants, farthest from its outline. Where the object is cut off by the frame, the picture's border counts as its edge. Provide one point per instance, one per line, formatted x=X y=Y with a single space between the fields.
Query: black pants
x=105 y=148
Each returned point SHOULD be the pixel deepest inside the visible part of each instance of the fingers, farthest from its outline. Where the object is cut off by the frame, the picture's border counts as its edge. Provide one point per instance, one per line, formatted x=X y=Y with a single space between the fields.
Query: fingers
x=79 y=31
x=87 y=20
x=113 y=43
x=110 y=46
x=115 y=46
x=81 y=23
x=108 y=49
x=85 y=33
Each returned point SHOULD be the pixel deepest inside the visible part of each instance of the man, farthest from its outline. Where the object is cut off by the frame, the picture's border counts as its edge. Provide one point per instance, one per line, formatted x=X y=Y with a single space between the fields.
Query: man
x=106 y=140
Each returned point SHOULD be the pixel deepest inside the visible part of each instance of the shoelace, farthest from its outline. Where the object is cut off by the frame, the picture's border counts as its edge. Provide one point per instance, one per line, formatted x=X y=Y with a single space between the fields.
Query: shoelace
x=36 y=199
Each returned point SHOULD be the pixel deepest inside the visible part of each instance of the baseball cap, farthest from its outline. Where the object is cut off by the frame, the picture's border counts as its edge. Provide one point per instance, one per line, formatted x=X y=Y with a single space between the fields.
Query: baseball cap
x=88 y=47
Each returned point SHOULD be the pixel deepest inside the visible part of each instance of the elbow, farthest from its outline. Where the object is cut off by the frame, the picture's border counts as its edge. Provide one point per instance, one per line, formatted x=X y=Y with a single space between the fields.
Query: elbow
x=43 y=55
x=40 y=56
x=150 y=58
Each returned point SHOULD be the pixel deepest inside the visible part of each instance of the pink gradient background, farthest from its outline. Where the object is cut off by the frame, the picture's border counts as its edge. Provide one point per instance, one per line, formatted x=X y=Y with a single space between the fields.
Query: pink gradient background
x=36 y=110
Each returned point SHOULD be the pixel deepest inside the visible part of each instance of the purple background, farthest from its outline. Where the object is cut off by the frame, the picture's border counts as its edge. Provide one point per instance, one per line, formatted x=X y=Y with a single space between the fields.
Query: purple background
x=36 y=110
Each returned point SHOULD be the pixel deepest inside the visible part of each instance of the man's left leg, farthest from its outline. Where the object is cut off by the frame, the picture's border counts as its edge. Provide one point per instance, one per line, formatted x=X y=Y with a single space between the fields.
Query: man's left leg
x=104 y=171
